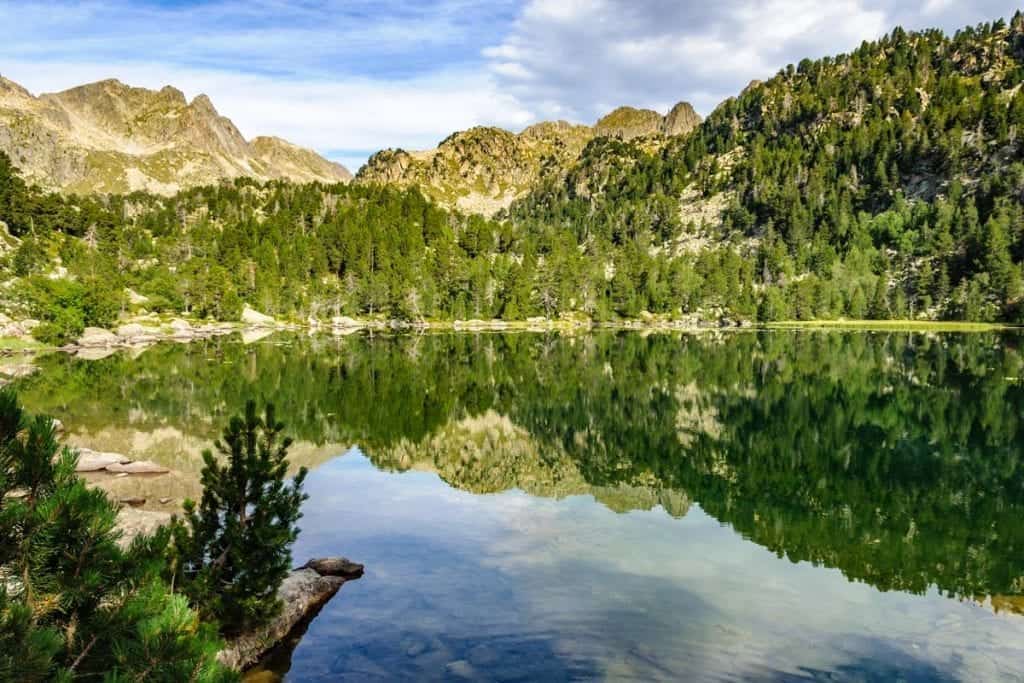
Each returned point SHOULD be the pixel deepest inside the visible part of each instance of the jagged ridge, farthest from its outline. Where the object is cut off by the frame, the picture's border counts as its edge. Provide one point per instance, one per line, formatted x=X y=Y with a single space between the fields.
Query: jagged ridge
x=112 y=138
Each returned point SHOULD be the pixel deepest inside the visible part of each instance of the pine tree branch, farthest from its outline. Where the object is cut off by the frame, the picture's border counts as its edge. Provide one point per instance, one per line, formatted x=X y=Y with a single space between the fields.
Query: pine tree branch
x=83 y=653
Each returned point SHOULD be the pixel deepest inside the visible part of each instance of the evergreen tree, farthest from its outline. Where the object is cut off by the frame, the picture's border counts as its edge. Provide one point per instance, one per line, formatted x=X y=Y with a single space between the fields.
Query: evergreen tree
x=233 y=550
x=75 y=604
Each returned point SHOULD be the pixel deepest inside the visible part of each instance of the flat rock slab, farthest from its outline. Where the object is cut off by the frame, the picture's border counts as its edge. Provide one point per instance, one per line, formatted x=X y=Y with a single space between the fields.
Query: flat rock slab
x=95 y=461
x=137 y=467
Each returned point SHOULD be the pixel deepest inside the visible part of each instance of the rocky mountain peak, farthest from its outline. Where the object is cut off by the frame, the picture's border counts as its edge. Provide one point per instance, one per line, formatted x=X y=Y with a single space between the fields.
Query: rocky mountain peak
x=111 y=137
x=629 y=122
x=681 y=119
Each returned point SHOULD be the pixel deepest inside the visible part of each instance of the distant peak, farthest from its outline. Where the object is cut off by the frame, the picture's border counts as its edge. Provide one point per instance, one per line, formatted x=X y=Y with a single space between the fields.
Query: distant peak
x=629 y=122
x=203 y=103
x=681 y=119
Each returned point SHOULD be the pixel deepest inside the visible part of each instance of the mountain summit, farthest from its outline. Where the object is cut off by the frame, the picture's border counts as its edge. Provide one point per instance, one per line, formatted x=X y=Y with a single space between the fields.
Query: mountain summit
x=111 y=137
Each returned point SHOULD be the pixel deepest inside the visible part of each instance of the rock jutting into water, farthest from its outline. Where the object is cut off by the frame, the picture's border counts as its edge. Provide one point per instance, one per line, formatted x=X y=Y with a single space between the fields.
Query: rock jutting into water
x=303 y=593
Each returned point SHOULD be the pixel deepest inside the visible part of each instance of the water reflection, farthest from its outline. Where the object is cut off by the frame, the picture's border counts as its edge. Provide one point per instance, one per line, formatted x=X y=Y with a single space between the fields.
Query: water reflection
x=870 y=462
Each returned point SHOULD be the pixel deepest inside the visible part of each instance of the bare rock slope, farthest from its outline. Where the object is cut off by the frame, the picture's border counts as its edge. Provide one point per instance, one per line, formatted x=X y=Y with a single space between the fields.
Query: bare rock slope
x=110 y=137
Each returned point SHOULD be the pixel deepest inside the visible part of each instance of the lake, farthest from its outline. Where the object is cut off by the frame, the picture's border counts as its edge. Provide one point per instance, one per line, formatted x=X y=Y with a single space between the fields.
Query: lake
x=756 y=506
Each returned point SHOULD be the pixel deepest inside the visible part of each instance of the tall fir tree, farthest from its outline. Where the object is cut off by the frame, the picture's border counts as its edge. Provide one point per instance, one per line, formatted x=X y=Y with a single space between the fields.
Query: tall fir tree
x=233 y=550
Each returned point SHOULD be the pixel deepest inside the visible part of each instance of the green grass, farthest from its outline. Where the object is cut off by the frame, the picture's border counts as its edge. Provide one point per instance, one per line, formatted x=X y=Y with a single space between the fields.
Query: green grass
x=15 y=344
x=903 y=325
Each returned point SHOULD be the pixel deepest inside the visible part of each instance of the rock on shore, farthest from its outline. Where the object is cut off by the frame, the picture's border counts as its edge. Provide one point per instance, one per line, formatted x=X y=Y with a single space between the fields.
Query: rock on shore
x=303 y=593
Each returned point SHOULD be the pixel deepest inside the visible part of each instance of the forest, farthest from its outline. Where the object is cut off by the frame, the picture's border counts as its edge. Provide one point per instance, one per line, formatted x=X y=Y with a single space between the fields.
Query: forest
x=882 y=184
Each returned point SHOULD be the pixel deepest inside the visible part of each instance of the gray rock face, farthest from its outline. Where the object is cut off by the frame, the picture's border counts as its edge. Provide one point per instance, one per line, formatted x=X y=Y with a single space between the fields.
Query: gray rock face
x=303 y=593
x=680 y=120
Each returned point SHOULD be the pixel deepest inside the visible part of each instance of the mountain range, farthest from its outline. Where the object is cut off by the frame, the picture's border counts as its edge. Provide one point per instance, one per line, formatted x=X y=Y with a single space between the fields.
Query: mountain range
x=108 y=137
x=887 y=182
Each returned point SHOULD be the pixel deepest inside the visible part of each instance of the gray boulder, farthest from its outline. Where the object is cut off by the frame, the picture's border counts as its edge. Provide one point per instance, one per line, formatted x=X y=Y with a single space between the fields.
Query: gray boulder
x=97 y=337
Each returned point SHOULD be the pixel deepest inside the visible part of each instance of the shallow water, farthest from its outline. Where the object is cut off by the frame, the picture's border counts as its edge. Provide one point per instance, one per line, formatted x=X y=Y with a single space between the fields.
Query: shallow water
x=750 y=506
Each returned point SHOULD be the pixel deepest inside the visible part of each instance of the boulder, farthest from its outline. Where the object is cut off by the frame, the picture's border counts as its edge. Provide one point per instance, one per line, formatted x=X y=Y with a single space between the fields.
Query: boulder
x=181 y=329
x=137 y=334
x=254 y=318
x=303 y=593
x=97 y=337
x=134 y=298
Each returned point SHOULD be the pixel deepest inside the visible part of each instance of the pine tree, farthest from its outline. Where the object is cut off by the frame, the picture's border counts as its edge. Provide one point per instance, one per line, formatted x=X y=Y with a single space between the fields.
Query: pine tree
x=233 y=550
x=880 y=301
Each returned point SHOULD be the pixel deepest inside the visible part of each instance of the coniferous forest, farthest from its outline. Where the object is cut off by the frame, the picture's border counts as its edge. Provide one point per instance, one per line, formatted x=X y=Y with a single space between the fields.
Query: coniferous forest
x=882 y=184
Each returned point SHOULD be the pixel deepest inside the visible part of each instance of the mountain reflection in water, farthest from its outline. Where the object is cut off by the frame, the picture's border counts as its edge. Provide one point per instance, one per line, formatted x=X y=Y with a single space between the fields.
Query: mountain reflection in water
x=892 y=459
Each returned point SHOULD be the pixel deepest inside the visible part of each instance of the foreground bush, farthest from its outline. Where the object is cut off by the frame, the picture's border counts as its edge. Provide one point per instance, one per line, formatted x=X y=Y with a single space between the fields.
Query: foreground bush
x=73 y=603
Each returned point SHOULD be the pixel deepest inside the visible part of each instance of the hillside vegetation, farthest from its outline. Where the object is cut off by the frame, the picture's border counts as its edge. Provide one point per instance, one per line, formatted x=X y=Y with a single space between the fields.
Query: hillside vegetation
x=886 y=183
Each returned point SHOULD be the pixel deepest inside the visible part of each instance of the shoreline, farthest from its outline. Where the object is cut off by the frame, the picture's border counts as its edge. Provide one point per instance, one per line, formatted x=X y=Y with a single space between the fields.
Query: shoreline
x=99 y=342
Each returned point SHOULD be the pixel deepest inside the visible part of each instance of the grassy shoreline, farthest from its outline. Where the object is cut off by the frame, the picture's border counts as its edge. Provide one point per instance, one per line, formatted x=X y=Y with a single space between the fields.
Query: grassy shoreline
x=890 y=325
x=11 y=345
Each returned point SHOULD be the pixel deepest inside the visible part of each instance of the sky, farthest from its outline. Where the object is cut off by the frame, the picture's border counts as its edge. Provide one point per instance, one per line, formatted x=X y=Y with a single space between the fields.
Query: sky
x=349 y=77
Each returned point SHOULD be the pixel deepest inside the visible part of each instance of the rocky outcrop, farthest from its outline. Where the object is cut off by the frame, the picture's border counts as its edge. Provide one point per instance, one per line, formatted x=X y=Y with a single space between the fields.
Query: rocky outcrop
x=16 y=329
x=480 y=170
x=680 y=120
x=303 y=593
x=628 y=123
x=110 y=137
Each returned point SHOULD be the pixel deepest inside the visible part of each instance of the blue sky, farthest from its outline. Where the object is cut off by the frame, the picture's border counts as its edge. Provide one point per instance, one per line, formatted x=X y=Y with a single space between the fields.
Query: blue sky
x=348 y=77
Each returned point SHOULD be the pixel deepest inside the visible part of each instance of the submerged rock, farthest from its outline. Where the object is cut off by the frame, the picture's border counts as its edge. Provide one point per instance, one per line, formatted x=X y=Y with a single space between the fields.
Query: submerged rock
x=303 y=593
x=137 y=467
x=95 y=461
